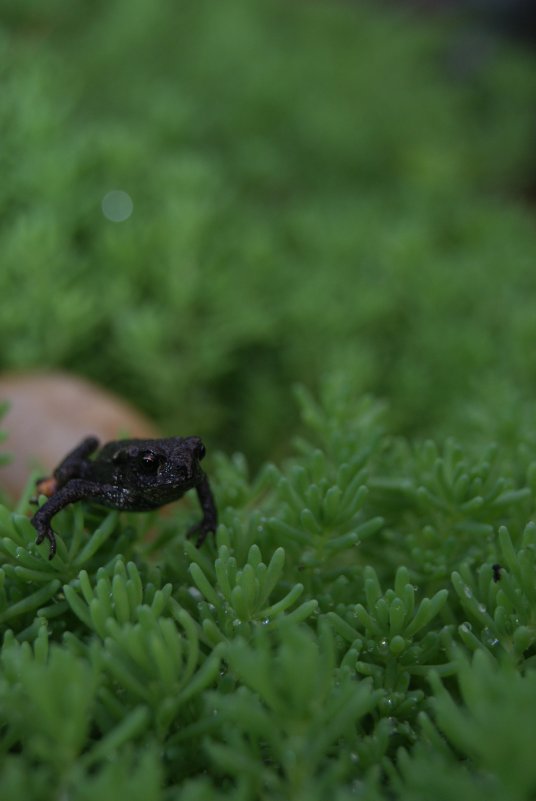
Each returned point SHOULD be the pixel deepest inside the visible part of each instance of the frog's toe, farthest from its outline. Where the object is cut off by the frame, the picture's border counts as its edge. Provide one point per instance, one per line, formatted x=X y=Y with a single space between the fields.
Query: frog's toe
x=193 y=530
x=202 y=530
x=47 y=533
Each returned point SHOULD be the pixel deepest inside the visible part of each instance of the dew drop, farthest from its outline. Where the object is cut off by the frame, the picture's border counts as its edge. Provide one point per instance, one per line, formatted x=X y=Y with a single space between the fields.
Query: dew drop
x=489 y=638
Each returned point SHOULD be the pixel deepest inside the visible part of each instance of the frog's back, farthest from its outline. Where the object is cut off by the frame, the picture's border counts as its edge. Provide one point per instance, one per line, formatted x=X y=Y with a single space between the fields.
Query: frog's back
x=109 y=452
x=121 y=447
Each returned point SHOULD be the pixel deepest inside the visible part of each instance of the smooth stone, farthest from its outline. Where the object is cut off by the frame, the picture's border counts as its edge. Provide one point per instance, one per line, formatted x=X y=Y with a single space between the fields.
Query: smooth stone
x=49 y=414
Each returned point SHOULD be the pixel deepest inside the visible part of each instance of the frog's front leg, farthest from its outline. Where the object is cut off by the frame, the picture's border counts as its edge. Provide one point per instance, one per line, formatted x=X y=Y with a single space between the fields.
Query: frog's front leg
x=77 y=489
x=209 y=522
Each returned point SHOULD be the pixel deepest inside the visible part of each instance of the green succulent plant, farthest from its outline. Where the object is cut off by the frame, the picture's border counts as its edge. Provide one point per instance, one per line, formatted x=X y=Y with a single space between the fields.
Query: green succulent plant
x=328 y=195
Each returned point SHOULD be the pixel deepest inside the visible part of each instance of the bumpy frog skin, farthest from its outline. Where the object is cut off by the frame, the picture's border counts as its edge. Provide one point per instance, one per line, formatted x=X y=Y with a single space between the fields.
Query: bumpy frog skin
x=134 y=475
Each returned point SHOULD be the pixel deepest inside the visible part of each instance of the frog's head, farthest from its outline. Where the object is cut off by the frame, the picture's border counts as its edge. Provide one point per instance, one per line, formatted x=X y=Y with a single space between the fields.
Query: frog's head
x=184 y=459
x=173 y=462
x=163 y=464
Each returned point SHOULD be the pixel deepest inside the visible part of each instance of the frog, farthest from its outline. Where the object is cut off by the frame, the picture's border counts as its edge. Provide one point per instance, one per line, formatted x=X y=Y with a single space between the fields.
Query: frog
x=134 y=475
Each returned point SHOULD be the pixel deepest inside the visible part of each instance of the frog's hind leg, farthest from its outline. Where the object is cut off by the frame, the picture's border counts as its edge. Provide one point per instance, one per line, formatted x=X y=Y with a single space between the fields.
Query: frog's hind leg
x=70 y=467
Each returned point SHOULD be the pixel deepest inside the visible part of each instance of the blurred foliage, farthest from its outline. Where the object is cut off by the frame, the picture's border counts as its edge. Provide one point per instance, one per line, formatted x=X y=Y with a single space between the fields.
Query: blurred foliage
x=315 y=185
x=273 y=663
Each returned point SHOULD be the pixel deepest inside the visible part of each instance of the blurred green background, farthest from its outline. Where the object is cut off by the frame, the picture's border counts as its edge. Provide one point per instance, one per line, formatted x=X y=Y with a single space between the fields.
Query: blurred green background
x=315 y=187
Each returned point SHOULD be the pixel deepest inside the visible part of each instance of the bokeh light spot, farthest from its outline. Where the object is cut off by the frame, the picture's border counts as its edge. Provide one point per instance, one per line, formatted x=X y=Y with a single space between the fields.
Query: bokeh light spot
x=117 y=205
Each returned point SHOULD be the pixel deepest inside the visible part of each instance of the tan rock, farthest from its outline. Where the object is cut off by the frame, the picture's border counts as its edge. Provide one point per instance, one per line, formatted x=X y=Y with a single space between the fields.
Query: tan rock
x=50 y=413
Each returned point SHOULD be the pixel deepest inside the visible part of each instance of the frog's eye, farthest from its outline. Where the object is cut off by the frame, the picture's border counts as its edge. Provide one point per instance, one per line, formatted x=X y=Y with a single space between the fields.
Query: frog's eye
x=200 y=451
x=149 y=461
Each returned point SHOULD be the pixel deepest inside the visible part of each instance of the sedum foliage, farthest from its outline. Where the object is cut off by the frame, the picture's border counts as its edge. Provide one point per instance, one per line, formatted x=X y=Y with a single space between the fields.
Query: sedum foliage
x=314 y=184
x=322 y=645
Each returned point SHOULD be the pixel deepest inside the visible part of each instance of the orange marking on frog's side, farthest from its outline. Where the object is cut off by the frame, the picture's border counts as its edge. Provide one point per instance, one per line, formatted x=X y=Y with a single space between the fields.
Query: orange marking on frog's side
x=47 y=486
